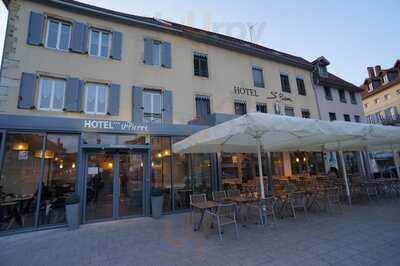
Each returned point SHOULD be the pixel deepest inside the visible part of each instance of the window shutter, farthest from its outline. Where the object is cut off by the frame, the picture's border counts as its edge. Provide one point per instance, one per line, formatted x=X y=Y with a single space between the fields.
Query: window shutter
x=73 y=95
x=148 y=51
x=166 y=55
x=137 y=104
x=113 y=99
x=27 y=91
x=35 y=32
x=116 y=49
x=79 y=37
x=167 y=107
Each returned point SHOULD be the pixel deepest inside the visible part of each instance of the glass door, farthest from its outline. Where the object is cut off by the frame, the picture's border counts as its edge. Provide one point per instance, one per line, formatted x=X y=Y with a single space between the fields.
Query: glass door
x=114 y=185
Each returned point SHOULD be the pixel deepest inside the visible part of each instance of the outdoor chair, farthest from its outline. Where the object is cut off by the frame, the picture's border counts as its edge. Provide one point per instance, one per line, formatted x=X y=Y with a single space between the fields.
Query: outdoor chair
x=371 y=190
x=264 y=207
x=333 y=198
x=196 y=198
x=297 y=200
x=219 y=196
x=224 y=215
x=233 y=193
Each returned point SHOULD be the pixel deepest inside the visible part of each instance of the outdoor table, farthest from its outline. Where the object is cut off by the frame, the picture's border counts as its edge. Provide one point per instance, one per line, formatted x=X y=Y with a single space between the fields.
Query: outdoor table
x=203 y=207
x=240 y=201
x=313 y=197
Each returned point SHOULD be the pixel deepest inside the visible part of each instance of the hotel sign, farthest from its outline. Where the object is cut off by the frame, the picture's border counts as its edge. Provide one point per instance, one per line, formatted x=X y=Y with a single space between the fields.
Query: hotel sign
x=245 y=91
x=114 y=125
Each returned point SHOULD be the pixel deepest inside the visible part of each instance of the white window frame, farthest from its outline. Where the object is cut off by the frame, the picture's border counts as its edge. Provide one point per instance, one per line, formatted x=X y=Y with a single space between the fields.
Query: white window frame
x=50 y=108
x=96 y=102
x=101 y=32
x=153 y=92
x=370 y=87
x=60 y=23
x=385 y=79
x=160 y=46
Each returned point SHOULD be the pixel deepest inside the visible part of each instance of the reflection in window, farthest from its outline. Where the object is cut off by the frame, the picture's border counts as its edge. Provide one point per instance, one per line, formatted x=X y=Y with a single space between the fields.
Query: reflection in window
x=152 y=106
x=304 y=163
x=51 y=94
x=182 y=180
x=201 y=173
x=58 y=35
x=99 y=43
x=96 y=98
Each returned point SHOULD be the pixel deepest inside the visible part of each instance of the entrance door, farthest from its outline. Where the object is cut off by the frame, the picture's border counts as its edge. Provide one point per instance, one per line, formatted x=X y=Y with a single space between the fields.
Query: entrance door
x=114 y=185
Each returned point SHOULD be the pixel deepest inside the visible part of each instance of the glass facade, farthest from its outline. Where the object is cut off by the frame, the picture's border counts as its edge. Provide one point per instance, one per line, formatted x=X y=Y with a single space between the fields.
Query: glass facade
x=307 y=163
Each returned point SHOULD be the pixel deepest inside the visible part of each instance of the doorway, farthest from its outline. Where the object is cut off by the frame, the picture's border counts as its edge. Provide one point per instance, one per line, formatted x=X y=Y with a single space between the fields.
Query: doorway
x=114 y=184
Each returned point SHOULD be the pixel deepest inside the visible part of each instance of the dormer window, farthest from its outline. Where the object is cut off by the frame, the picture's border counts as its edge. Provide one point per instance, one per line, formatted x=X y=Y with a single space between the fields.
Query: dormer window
x=370 y=87
x=322 y=70
x=385 y=79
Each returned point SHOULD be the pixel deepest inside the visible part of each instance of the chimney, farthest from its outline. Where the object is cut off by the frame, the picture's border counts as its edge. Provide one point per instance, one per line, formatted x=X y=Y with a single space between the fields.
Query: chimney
x=377 y=70
x=371 y=73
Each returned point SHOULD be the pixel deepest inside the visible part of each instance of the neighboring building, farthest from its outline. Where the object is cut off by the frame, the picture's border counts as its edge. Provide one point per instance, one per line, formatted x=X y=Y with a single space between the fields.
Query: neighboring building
x=337 y=100
x=93 y=99
x=381 y=101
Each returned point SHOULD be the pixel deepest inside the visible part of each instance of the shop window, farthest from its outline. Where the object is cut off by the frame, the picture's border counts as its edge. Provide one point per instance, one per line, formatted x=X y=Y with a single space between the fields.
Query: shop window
x=58 y=34
x=112 y=139
x=261 y=107
x=285 y=83
x=152 y=106
x=51 y=94
x=100 y=42
x=304 y=163
x=277 y=164
x=96 y=98
x=200 y=63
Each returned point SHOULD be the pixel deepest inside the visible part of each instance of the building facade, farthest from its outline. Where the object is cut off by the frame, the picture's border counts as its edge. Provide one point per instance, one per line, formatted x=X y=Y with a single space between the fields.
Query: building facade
x=91 y=101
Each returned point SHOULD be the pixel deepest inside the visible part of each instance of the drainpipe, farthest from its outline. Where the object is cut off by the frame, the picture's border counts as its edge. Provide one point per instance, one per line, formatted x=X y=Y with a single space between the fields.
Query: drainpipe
x=315 y=95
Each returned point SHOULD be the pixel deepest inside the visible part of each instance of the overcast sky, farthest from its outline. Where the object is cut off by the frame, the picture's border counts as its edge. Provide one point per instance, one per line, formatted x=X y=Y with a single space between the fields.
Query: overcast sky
x=350 y=34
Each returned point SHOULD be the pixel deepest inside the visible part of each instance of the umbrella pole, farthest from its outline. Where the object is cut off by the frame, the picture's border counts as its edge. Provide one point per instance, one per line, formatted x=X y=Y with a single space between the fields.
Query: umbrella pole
x=346 y=180
x=260 y=172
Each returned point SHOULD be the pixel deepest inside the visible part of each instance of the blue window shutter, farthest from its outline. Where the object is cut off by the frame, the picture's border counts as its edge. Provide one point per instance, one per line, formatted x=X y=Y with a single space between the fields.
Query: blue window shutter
x=79 y=37
x=35 y=31
x=137 y=104
x=148 y=51
x=113 y=99
x=81 y=96
x=166 y=55
x=167 y=107
x=116 y=49
x=27 y=91
x=72 y=95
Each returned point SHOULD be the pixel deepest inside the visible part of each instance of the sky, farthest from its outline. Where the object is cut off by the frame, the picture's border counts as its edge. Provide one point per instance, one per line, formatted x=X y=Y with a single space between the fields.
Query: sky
x=351 y=34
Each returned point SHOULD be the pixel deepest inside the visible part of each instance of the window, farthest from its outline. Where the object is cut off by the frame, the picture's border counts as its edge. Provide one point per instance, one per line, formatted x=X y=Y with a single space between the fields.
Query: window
x=152 y=106
x=258 y=77
x=305 y=113
x=387 y=97
x=346 y=117
x=378 y=117
x=289 y=111
x=332 y=116
x=261 y=107
x=200 y=65
x=285 y=83
x=301 y=87
x=240 y=108
x=99 y=43
x=398 y=92
x=322 y=70
x=353 y=98
x=58 y=35
x=328 y=94
x=376 y=101
x=96 y=98
x=370 y=87
x=357 y=118
x=202 y=107
x=385 y=79
x=51 y=94
x=157 y=50
x=342 y=96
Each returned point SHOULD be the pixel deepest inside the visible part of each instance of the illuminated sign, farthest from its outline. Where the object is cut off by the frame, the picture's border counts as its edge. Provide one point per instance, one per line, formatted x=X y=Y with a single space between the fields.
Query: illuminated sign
x=114 y=125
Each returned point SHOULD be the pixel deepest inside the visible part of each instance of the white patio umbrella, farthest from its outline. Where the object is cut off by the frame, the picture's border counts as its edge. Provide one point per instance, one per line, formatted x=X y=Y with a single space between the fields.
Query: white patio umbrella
x=254 y=132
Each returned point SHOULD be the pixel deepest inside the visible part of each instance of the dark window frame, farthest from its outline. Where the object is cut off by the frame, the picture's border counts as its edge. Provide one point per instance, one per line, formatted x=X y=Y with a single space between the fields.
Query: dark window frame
x=305 y=111
x=353 y=98
x=240 y=104
x=289 y=109
x=332 y=116
x=342 y=96
x=357 y=118
x=256 y=83
x=200 y=65
x=260 y=106
x=202 y=99
x=301 y=87
x=346 y=117
x=328 y=94
x=285 y=83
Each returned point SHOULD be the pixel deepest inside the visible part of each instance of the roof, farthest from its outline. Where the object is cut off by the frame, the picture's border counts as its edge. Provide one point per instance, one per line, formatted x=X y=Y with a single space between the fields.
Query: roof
x=195 y=34
x=381 y=88
x=334 y=81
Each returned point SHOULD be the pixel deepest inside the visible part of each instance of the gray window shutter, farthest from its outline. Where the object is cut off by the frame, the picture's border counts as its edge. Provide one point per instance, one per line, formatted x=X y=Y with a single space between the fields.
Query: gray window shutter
x=81 y=104
x=79 y=37
x=73 y=95
x=148 y=51
x=167 y=107
x=116 y=49
x=27 y=91
x=35 y=32
x=137 y=104
x=166 y=55
x=113 y=99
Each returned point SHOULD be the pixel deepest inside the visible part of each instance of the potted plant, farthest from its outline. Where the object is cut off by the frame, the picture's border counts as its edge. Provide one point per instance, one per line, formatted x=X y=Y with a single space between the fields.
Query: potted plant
x=157 y=200
x=72 y=210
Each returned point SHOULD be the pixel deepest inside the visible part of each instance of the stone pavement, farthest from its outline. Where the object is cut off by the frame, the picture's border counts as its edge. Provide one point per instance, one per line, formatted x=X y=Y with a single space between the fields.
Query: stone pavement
x=367 y=234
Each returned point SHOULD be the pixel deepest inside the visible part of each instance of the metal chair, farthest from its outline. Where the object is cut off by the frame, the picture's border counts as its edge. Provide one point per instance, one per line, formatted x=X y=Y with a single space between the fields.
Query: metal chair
x=297 y=200
x=225 y=215
x=219 y=195
x=196 y=198
x=233 y=193
x=371 y=190
x=265 y=208
x=333 y=198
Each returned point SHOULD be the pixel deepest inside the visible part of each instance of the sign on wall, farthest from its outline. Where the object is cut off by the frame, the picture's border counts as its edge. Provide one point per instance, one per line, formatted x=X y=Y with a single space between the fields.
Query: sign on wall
x=114 y=125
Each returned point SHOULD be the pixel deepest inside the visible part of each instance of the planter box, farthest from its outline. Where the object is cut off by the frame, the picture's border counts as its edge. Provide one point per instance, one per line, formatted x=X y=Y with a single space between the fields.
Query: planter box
x=157 y=206
x=73 y=216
